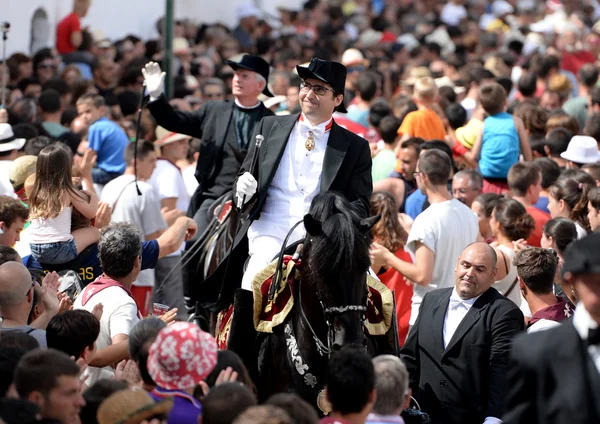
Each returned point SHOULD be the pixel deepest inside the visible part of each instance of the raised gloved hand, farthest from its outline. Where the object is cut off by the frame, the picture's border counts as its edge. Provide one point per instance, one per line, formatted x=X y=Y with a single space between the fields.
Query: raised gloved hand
x=154 y=79
x=245 y=188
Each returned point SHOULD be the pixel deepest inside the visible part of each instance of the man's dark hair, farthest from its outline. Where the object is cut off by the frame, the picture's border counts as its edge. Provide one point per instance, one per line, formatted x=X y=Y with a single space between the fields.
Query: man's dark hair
x=592 y=126
x=521 y=176
x=434 y=48
x=550 y=171
x=300 y=410
x=505 y=83
x=595 y=96
x=367 y=86
x=39 y=371
x=549 y=63
x=49 y=101
x=8 y=254
x=350 y=380
x=95 y=395
x=414 y=143
x=537 y=268
x=594 y=198
x=18 y=411
x=377 y=111
x=143 y=150
x=225 y=402
x=588 y=75
x=13 y=346
x=527 y=84
x=11 y=209
x=72 y=331
x=457 y=115
x=478 y=74
x=129 y=102
x=59 y=85
x=40 y=56
x=263 y=414
x=141 y=337
x=120 y=245
x=593 y=169
x=435 y=163
x=388 y=128
x=26 y=82
x=557 y=141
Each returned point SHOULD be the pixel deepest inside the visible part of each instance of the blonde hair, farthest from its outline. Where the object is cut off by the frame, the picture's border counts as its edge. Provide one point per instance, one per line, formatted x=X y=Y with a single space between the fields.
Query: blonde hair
x=426 y=90
x=94 y=100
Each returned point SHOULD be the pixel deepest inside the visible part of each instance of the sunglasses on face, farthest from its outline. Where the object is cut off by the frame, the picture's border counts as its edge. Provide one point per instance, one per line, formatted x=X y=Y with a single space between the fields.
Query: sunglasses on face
x=319 y=90
x=358 y=68
x=46 y=66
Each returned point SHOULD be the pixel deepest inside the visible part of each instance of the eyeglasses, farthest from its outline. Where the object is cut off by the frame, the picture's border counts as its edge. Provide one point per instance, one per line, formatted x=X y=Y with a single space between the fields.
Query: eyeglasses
x=46 y=66
x=464 y=190
x=319 y=90
x=417 y=173
x=355 y=69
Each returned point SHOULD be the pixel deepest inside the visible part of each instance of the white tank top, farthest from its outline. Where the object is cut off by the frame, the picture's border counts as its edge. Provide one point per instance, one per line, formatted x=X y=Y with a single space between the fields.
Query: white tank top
x=52 y=230
x=503 y=285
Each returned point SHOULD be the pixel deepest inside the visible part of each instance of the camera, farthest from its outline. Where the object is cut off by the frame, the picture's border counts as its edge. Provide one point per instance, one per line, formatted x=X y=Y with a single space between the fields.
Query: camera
x=4 y=27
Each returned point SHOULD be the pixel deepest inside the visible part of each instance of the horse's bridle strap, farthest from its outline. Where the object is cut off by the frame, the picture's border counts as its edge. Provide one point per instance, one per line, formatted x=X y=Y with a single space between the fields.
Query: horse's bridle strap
x=338 y=310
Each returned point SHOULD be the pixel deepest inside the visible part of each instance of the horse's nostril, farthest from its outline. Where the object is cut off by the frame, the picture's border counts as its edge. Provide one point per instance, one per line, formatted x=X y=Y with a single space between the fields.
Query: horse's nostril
x=337 y=347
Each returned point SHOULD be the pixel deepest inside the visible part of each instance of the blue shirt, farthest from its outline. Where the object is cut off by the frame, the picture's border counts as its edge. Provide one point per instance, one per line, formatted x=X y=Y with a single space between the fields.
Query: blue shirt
x=500 y=146
x=542 y=204
x=87 y=264
x=413 y=205
x=109 y=141
x=186 y=409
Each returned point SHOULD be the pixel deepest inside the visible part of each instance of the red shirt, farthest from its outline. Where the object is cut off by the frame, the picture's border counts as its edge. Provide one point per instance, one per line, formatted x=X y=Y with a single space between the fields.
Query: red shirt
x=65 y=28
x=402 y=294
x=540 y=219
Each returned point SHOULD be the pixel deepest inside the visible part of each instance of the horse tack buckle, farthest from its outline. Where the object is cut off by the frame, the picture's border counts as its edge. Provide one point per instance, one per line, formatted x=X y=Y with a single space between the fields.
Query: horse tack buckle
x=323 y=403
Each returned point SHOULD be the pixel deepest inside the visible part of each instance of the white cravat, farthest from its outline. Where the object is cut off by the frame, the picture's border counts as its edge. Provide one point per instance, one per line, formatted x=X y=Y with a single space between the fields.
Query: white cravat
x=583 y=321
x=457 y=310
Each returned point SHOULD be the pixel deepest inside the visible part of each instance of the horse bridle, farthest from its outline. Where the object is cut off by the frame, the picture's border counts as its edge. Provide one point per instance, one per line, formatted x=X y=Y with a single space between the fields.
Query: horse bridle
x=329 y=312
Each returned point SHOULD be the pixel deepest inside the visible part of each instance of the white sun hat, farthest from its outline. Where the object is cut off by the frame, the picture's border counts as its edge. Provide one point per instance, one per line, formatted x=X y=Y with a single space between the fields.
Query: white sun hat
x=8 y=141
x=582 y=149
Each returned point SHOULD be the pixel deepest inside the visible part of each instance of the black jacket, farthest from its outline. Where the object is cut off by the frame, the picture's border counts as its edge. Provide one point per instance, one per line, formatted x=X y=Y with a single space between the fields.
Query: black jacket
x=213 y=124
x=552 y=379
x=346 y=169
x=466 y=382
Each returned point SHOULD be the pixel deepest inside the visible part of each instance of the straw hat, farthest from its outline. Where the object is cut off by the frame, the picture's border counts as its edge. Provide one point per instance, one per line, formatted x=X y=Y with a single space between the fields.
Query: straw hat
x=21 y=168
x=415 y=74
x=164 y=137
x=131 y=406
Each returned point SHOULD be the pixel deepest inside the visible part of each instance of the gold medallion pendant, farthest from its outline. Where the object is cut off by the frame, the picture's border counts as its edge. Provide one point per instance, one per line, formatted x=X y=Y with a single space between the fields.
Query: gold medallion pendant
x=322 y=402
x=310 y=141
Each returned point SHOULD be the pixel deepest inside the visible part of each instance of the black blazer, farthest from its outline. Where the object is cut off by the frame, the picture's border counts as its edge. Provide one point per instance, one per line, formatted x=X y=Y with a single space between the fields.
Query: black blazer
x=210 y=124
x=552 y=379
x=346 y=166
x=466 y=382
x=346 y=169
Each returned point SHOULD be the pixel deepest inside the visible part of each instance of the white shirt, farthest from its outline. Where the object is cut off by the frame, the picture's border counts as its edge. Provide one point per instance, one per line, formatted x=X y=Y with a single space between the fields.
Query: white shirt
x=118 y=317
x=541 y=325
x=456 y=312
x=445 y=228
x=295 y=184
x=191 y=183
x=168 y=182
x=6 y=188
x=452 y=14
x=583 y=322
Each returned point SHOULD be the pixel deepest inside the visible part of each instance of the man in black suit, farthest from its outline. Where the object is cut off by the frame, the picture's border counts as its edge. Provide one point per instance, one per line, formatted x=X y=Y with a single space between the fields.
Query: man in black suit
x=302 y=155
x=555 y=374
x=224 y=127
x=457 y=352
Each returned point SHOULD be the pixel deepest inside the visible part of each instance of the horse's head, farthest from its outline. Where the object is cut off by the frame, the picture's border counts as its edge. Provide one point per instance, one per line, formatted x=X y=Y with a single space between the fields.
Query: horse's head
x=336 y=261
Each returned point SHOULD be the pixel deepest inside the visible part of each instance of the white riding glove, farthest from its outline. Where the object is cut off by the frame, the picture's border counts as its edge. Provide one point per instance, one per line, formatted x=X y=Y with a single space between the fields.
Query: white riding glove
x=246 y=186
x=154 y=79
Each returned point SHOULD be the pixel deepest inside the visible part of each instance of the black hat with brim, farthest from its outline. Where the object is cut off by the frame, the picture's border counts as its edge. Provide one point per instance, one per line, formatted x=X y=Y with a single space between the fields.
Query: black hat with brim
x=581 y=257
x=255 y=64
x=333 y=73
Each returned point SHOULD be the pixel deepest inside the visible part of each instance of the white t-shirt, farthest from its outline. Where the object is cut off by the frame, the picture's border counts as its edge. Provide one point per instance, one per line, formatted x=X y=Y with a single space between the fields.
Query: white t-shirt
x=541 y=325
x=6 y=188
x=452 y=14
x=142 y=211
x=445 y=228
x=119 y=315
x=167 y=181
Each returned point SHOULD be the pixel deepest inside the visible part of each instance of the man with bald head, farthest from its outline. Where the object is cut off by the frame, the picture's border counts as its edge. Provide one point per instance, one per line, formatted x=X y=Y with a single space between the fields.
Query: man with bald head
x=457 y=352
x=16 y=300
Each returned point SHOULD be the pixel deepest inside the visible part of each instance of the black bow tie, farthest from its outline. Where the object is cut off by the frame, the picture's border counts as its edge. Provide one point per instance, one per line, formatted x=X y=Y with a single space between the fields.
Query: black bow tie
x=593 y=336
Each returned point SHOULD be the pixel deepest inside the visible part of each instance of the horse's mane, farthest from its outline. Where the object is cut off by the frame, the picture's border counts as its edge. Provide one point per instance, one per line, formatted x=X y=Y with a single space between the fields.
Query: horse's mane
x=335 y=242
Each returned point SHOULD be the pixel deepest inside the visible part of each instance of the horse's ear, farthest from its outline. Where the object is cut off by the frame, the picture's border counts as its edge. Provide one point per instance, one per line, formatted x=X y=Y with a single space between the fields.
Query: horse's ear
x=367 y=223
x=313 y=227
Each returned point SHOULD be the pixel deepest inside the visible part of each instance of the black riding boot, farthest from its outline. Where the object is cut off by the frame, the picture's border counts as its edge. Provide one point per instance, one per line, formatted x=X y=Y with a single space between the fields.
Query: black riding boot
x=242 y=335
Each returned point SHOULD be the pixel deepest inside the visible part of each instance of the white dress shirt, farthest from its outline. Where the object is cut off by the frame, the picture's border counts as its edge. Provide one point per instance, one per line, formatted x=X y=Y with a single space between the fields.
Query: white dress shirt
x=583 y=322
x=457 y=310
x=295 y=184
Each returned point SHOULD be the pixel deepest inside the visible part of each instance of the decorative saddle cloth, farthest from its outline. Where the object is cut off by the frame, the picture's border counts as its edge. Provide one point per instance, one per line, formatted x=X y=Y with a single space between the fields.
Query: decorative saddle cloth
x=270 y=314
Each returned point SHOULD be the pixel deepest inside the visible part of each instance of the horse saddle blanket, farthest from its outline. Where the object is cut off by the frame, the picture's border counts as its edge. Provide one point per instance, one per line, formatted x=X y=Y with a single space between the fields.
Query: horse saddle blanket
x=269 y=313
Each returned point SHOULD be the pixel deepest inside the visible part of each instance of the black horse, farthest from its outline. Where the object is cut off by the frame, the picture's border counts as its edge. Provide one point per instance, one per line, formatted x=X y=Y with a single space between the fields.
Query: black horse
x=329 y=306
